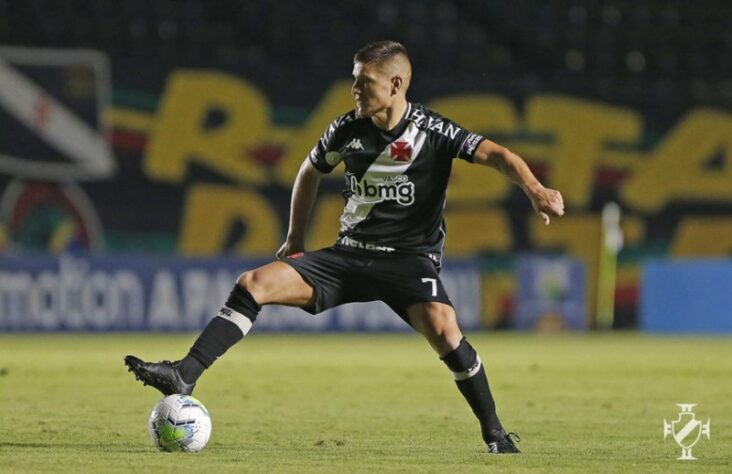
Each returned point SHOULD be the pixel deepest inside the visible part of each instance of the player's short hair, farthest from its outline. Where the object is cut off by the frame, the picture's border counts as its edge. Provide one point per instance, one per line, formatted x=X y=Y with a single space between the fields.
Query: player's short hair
x=380 y=51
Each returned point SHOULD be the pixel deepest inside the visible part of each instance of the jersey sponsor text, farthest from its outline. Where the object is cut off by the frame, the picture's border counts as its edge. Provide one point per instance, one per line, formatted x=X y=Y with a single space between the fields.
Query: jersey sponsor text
x=349 y=242
x=392 y=188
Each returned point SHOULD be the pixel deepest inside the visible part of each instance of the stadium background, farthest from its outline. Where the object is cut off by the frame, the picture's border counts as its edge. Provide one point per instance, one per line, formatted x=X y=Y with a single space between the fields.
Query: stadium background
x=212 y=108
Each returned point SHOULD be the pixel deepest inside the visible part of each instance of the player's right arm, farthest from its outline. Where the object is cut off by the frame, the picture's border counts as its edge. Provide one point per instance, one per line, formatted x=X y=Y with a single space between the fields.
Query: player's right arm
x=477 y=149
x=546 y=202
x=320 y=161
x=304 y=193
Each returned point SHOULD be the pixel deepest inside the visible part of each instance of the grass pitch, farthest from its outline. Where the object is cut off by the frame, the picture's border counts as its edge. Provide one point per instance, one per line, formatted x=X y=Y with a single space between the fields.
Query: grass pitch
x=364 y=403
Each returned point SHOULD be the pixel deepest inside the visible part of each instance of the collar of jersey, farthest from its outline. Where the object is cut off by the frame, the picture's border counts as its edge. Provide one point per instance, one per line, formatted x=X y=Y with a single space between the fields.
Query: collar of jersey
x=398 y=129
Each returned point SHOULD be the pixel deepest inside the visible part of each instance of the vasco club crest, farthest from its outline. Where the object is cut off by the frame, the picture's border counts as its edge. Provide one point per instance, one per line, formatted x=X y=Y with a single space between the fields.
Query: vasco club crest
x=400 y=151
x=686 y=430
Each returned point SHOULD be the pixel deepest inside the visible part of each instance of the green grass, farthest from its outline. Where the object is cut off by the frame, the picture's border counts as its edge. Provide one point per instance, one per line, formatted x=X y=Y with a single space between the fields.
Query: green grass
x=359 y=403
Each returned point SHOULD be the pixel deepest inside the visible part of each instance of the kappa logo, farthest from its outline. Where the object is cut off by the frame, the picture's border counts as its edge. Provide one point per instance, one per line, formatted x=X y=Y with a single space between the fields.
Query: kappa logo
x=686 y=430
x=400 y=151
x=355 y=144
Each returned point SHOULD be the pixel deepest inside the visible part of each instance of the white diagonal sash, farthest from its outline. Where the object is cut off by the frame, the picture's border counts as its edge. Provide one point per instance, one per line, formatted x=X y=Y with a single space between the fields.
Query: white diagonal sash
x=358 y=208
x=690 y=426
x=63 y=130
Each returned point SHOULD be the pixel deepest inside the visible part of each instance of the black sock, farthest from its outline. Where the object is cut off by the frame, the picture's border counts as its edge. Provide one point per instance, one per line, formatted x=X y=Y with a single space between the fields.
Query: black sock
x=231 y=324
x=472 y=382
x=190 y=368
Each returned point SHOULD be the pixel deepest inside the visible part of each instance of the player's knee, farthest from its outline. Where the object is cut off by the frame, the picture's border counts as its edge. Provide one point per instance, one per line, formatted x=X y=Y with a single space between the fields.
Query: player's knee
x=245 y=280
x=251 y=283
x=441 y=318
x=242 y=300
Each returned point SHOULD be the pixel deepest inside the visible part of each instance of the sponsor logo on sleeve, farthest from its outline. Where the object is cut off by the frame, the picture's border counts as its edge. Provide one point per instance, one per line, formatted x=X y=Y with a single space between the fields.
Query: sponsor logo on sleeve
x=471 y=143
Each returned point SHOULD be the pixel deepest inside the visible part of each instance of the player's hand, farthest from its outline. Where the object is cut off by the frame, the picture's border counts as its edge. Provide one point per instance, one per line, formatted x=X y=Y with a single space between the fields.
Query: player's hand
x=289 y=248
x=547 y=203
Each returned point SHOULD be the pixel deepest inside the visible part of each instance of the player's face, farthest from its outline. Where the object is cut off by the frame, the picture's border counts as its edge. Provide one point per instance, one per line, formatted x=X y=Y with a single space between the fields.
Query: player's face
x=372 y=89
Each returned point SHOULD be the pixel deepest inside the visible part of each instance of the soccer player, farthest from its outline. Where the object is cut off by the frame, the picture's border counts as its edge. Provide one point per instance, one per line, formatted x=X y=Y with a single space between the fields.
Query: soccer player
x=397 y=157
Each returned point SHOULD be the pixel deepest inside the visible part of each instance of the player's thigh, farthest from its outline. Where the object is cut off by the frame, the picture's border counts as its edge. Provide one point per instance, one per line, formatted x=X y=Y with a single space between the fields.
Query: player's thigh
x=406 y=281
x=277 y=283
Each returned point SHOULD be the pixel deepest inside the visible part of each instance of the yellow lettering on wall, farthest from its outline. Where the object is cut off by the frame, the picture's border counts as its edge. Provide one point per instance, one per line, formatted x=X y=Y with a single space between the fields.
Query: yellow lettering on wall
x=703 y=237
x=211 y=210
x=581 y=130
x=471 y=231
x=238 y=116
x=579 y=236
x=634 y=230
x=675 y=169
x=468 y=231
x=337 y=101
x=480 y=114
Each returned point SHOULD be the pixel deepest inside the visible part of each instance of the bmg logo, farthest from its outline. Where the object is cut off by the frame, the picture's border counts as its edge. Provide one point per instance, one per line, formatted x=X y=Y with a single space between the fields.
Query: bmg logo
x=393 y=188
x=686 y=430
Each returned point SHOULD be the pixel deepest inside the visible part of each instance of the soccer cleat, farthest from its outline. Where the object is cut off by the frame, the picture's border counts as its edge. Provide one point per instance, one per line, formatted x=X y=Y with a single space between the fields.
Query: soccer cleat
x=503 y=442
x=162 y=375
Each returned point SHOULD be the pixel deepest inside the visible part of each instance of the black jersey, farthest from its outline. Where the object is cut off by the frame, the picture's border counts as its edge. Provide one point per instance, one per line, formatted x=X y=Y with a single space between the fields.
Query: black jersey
x=395 y=181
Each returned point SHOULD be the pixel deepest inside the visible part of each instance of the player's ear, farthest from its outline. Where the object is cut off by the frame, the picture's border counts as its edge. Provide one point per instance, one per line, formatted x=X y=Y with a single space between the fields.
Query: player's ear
x=397 y=82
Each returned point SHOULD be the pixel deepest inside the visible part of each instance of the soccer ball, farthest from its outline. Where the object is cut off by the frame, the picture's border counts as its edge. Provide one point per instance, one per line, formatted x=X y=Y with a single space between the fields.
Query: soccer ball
x=179 y=423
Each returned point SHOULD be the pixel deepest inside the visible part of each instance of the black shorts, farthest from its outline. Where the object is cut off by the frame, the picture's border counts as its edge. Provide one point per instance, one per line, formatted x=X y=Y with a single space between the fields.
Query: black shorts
x=340 y=277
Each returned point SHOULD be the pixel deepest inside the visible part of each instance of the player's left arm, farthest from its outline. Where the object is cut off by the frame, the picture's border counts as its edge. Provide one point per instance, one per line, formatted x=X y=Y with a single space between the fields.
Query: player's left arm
x=546 y=202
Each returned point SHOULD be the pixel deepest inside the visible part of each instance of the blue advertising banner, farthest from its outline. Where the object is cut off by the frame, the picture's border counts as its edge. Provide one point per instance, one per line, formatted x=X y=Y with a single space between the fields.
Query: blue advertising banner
x=141 y=293
x=686 y=296
x=551 y=293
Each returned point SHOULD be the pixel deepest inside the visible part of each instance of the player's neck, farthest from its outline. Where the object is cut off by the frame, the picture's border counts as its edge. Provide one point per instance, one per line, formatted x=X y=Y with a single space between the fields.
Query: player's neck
x=390 y=116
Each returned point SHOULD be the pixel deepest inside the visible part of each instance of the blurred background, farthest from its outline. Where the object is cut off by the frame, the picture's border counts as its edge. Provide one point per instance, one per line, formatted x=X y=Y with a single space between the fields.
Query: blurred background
x=147 y=151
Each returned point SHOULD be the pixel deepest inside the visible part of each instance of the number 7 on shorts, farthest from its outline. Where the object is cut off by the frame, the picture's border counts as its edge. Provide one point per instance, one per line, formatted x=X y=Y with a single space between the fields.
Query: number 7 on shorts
x=432 y=281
